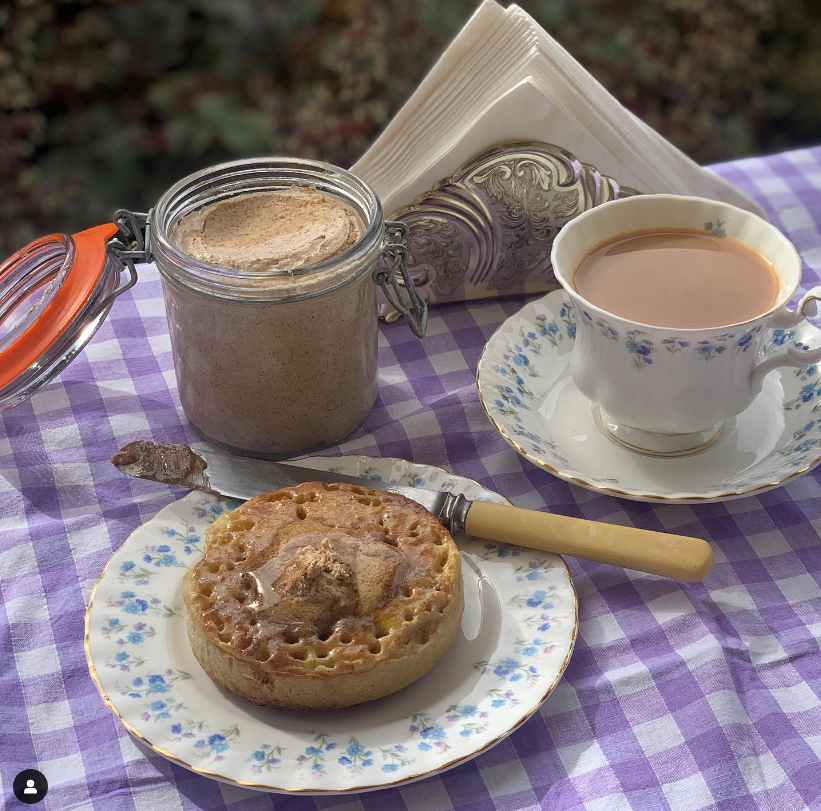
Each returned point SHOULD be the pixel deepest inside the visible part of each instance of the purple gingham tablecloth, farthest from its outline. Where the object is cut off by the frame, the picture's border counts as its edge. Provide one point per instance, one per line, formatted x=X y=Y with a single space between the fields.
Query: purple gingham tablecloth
x=678 y=696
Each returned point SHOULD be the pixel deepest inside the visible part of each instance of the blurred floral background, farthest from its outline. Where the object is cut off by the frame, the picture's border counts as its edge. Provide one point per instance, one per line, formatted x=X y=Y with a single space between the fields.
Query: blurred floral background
x=106 y=102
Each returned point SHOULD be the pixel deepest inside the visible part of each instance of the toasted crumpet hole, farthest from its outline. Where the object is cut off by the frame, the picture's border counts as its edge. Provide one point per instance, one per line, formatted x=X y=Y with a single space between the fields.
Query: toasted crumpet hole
x=369 y=501
x=291 y=637
x=407 y=591
x=423 y=637
x=230 y=565
x=213 y=567
x=408 y=615
x=301 y=513
x=262 y=654
x=243 y=525
x=374 y=648
x=253 y=621
x=225 y=636
x=325 y=636
x=358 y=490
x=345 y=639
x=390 y=540
x=303 y=497
x=300 y=655
x=286 y=496
x=206 y=590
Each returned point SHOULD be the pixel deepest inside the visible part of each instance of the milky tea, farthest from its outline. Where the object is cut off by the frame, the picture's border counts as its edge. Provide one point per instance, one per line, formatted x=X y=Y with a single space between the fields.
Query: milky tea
x=678 y=278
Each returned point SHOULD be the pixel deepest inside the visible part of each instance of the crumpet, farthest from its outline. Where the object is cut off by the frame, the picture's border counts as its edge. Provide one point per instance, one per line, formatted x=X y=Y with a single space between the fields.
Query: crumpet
x=323 y=596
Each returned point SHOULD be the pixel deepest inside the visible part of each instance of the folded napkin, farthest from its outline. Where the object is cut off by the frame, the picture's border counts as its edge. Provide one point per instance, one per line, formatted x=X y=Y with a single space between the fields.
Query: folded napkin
x=505 y=79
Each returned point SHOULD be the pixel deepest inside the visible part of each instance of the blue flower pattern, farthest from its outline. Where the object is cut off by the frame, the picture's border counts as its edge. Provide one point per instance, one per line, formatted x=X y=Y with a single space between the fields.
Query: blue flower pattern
x=214 y=745
x=429 y=734
x=267 y=757
x=717 y=229
x=125 y=660
x=314 y=756
x=534 y=570
x=808 y=392
x=130 y=603
x=640 y=347
x=546 y=329
x=607 y=329
x=510 y=669
x=532 y=647
x=469 y=718
x=356 y=757
x=566 y=316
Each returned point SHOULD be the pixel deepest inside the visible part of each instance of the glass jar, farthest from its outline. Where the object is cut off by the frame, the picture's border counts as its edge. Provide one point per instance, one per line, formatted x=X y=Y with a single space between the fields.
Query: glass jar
x=270 y=363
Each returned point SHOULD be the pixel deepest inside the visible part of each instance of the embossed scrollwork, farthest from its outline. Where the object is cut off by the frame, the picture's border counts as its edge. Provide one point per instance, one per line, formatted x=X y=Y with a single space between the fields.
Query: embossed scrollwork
x=489 y=228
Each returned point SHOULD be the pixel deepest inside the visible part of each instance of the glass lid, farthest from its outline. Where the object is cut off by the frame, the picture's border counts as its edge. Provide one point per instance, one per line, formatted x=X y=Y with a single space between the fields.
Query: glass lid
x=54 y=294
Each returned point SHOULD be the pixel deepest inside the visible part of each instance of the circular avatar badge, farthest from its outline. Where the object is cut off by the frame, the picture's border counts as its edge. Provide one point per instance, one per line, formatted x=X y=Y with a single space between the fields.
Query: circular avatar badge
x=30 y=786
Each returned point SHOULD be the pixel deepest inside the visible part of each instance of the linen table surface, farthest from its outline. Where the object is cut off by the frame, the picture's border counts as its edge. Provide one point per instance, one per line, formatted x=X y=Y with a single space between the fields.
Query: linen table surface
x=678 y=696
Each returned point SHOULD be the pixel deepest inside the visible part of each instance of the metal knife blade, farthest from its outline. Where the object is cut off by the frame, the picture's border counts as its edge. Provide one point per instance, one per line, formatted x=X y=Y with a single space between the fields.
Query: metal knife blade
x=241 y=477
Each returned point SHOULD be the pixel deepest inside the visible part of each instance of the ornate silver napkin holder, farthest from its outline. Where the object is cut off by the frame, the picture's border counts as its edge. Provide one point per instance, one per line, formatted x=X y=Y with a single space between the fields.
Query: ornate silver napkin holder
x=487 y=230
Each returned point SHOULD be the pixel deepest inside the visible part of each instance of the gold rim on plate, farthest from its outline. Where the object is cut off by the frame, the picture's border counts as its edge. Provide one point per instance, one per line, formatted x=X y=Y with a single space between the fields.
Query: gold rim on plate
x=354 y=789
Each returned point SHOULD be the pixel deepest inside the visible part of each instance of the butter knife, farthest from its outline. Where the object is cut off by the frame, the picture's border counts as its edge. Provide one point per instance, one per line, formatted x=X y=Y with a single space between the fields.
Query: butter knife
x=241 y=477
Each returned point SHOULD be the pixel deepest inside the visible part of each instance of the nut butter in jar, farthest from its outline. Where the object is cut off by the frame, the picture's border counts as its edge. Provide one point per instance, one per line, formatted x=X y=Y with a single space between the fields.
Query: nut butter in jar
x=267 y=267
x=270 y=269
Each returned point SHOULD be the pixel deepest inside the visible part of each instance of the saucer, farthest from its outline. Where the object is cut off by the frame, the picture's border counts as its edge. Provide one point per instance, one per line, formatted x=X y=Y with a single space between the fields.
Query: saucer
x=518 y=630
x=527 y=392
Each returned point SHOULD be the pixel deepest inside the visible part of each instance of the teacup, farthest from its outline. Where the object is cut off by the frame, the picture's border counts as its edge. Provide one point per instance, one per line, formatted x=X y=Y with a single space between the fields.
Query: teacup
x=666 y=391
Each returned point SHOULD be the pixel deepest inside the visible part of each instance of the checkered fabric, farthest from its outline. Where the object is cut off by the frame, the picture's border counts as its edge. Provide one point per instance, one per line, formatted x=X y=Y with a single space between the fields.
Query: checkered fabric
x=678 y=696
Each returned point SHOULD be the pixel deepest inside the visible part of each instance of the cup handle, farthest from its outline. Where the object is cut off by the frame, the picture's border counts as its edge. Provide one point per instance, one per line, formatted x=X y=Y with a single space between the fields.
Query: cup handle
x=785 y=319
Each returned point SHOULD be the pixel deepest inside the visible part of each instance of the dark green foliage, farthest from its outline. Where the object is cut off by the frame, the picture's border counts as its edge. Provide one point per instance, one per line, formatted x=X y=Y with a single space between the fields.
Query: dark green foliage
x=106 y=102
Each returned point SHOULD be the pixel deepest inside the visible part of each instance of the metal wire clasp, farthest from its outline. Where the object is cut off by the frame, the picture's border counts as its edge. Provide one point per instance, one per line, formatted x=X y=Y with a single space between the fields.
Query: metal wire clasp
x=391 y=260
x=130 y=247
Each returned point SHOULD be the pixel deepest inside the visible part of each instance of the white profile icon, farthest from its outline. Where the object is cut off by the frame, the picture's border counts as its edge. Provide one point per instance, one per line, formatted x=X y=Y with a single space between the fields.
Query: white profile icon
x=29 y=789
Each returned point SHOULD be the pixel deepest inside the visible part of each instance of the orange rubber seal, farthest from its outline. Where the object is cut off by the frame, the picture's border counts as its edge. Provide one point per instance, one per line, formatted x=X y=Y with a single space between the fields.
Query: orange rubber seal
x=78 y=285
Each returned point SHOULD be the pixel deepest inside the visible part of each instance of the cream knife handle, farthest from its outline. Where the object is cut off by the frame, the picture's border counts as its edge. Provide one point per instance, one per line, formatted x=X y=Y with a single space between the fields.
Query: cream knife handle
x=675 y=556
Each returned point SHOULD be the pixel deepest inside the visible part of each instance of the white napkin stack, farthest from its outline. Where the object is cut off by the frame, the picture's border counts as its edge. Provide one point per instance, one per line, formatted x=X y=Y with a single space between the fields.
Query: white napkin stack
x=505 y=79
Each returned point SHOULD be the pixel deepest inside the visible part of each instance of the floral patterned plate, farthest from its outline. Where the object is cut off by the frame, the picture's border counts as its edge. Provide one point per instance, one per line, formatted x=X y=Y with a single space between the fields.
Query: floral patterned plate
x=518 y=631
x=527 y=392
